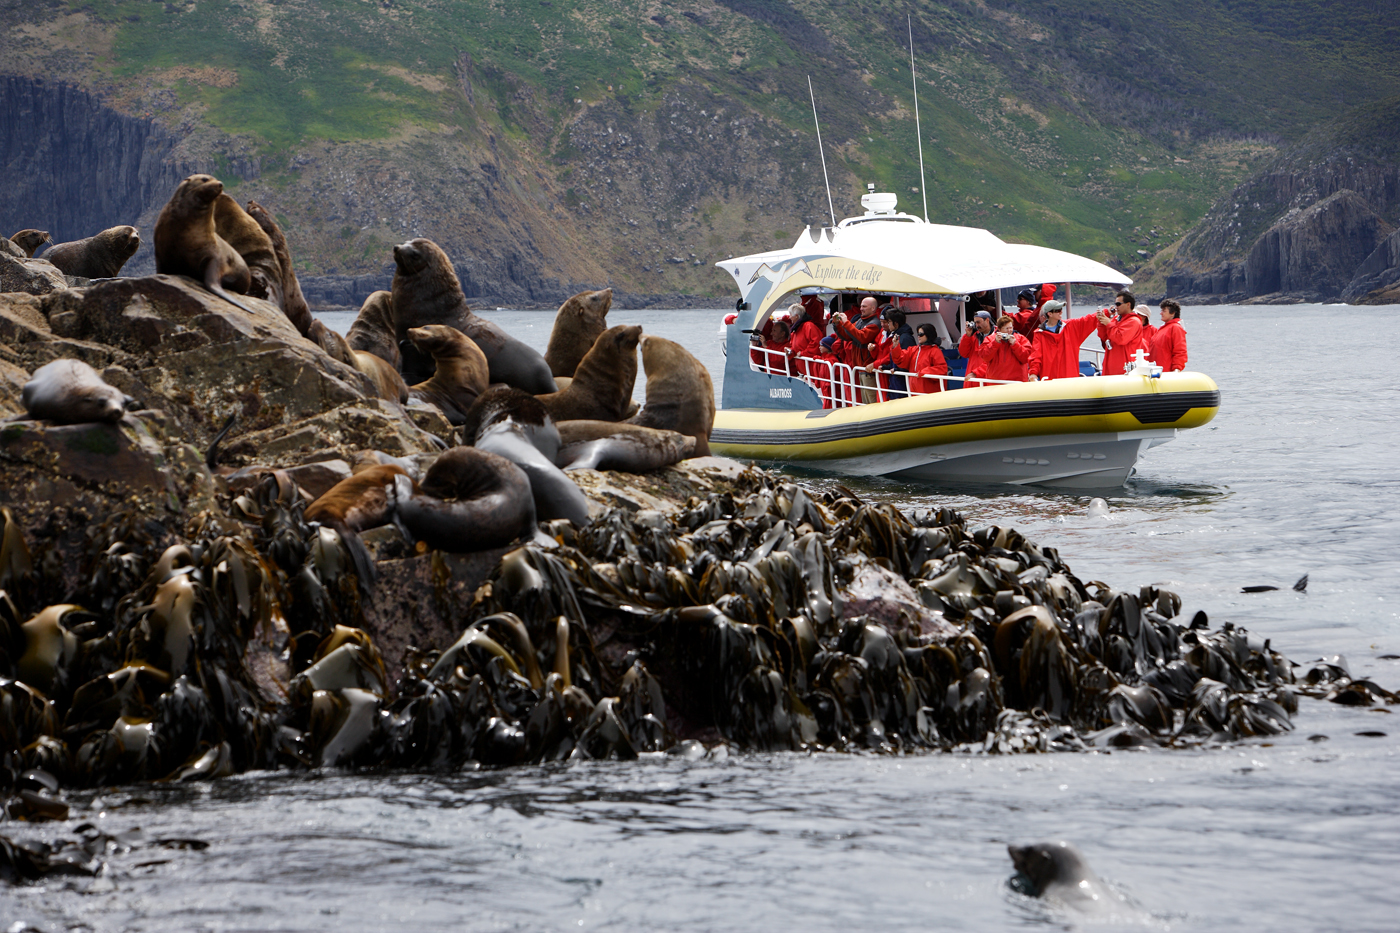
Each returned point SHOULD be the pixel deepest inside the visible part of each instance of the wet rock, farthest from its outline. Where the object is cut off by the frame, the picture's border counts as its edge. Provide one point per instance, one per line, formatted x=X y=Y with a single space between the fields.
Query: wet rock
x=34 y=276
x=883 y=596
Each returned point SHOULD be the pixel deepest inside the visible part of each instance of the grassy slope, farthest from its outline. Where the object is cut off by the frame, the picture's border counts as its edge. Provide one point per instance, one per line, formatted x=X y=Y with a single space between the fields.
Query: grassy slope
x=1086 y=124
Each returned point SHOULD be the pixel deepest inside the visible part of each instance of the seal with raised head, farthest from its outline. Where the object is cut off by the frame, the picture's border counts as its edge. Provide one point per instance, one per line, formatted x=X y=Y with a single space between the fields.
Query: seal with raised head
x=680 y=393
x=1058 y=870
x=607 y=445
x=293 y=303
x=426 y=290
x=30 y=240
x=71 y=392
x=459 y=374
x=238 y=228
x=359 y=502
x=516 y=425
x=577 y=324
x=470 y=500
x=601 y=389
x=373 y=330
x=187 y=244
x=96 y=257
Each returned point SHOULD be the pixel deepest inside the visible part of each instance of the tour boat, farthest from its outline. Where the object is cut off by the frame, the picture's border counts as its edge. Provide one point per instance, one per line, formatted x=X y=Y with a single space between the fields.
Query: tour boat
x=1084 y=432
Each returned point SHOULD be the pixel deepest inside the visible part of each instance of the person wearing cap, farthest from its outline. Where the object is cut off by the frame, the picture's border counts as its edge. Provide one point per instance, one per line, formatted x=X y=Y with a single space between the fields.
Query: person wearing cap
x=1003 y=355
x=1120 y=336
x=1026 y=316
x=978 y=330
x=1169 y=340
x=924 y=360
x=1055 y=349
x=894 y=333
x=1144 y=314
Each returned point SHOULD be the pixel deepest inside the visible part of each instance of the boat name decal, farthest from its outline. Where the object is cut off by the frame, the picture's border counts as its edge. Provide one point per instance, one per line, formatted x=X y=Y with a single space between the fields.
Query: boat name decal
x=780 y=393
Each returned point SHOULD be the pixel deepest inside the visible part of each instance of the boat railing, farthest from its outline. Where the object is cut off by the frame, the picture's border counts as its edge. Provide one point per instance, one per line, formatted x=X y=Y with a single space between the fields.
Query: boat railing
x=841 y=385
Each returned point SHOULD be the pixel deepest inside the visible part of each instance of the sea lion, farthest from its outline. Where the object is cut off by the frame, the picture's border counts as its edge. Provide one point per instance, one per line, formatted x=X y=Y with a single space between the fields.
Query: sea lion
x=606 y=445
x=187 y=244
x=516 y=425
x=460 y=368
x=426 y=291
x=360 y=502
x=71 y=392
x=294 y=304
x=577 y=324
x=373 y=330
x=680 y=393
x=602 y=385
x=470 y=500
x=96 y=257
x=1058 y=871
x=247 y=237
x=30 y=240
x=387 y=381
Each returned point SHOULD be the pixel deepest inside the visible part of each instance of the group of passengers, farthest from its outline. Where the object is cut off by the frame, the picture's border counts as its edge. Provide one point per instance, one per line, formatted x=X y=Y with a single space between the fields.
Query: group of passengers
x=1034 y=342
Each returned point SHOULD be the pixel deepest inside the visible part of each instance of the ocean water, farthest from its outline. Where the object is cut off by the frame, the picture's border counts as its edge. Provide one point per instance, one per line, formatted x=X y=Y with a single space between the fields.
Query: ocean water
x=1299 y=473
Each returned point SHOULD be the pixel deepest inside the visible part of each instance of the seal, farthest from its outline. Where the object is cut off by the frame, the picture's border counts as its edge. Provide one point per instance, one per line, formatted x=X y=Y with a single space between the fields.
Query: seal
x=186 y=243
x=459 y=376
x=388 y=384
x=30 y=240
x=359 y=502
x=607 y=445
x=426 y=291
x=96 y=257
x=579 y=322
x=1057 y=870
x=237 y=228
x=71 y=392
x=293 y=303
x=470 y=500
x=516 y=425
x=602 y=385
x=373 y=330
x=680 y=393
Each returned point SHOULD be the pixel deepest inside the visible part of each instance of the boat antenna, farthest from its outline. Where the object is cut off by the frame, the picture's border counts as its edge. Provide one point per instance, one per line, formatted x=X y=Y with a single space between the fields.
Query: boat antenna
x=825 y=176
x=918 y=131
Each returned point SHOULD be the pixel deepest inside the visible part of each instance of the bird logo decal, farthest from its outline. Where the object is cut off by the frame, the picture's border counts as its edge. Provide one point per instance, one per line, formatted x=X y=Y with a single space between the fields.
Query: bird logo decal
x=782 y=273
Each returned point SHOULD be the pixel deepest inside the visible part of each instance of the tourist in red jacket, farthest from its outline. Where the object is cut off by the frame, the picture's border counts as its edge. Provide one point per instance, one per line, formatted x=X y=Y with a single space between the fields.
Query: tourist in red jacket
x=771 y=354
x=808 y=355
x=979 y=330
x=1055 y=350
x=1004 y=355
x=1026 y=316
x=1121 y=337
x=1169 y=342
x=924 y=359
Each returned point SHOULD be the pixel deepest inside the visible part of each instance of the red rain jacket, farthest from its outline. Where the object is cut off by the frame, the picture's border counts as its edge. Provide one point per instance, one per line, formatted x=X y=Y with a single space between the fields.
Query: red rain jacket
x=968 y=348
x=1169 y=346
x=1056 y=355
x=1005 y=360
x=1121 y=339
x=922 y=360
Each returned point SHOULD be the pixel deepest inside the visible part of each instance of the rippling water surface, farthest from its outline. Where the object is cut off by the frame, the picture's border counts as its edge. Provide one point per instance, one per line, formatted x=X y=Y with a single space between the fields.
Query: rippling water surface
x=1297 y=474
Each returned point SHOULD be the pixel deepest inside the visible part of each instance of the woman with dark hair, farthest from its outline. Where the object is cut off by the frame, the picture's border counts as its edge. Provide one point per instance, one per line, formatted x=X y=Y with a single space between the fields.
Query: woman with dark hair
x=894 y=332
x=924 y=359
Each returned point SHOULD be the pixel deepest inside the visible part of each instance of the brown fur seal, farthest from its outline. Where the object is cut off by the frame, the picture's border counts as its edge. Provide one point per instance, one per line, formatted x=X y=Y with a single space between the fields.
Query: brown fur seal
x=239 y=230
x=680 y=393
x=30 y=240
x=602 y=385
x=579 y=322
x=187 y=244
x=604 y=445
x=387 y=381
x=96 y=257
x=426 y=291
x=71 y=392
x=293 y=303
x=360 y=502
x=1057 y=870
x=460 y=370
x=470 y=501
x=373 y=330
x=516 y=425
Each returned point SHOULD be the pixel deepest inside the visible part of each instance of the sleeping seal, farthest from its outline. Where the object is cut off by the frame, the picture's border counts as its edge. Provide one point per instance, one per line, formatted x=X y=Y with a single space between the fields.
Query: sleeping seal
x=630 y=448
x=1057 y=870
x=469 y=501
x=359 y=502
x=71 y=392
x=516 y=425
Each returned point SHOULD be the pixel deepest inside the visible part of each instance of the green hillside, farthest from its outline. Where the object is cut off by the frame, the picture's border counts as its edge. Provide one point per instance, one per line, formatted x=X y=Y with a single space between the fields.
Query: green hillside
x=1102 y=127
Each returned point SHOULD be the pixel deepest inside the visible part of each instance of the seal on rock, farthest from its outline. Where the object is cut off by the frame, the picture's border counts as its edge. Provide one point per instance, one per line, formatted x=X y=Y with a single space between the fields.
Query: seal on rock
x=71 y=392
x=96 y=257
x=187 y=244
x=293 y=303
x=601 y=389
x=460 y=370
x=680 y=393
x=426 y=291
x=388 y=384
x=579 y=322
x=1057 y=870
x=373 y=330
x=516 y=425
x=30 y=240
x=237 y=228
x=360 y=502
x=607 y=445
x=470 y=500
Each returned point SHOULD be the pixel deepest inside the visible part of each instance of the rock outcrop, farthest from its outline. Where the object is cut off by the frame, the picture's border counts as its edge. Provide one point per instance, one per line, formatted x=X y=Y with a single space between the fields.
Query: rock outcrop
x=1377 y=279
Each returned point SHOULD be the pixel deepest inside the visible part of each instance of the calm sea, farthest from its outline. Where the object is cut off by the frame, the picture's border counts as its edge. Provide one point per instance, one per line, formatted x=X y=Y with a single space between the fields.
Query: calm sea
x=1298 y=474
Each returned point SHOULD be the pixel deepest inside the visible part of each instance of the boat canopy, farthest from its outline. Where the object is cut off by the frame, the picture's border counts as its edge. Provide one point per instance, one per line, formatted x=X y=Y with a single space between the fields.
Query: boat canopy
x=894 y=253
